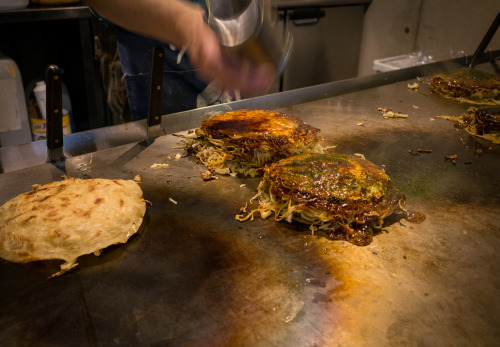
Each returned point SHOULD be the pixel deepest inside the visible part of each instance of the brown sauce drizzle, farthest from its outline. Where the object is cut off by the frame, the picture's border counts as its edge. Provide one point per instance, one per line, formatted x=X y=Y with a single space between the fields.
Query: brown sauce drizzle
x=414 y=217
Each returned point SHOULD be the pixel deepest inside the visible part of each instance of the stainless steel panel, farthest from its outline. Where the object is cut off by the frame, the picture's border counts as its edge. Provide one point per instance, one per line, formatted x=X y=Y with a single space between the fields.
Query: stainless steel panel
x=327 y=50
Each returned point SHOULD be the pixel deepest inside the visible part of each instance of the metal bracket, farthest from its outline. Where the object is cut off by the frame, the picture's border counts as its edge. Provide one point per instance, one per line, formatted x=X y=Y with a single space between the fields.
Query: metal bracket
x=486 y=40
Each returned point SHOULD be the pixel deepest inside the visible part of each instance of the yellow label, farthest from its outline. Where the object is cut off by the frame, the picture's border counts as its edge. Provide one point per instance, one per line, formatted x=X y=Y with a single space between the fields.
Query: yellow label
x=39 y=127
x=11 y=70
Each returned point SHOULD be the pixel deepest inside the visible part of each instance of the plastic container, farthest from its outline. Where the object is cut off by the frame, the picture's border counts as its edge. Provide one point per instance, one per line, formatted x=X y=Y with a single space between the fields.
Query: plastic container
x=40 y=92
x=38 y=124
x=400 y=62
x=14 y=124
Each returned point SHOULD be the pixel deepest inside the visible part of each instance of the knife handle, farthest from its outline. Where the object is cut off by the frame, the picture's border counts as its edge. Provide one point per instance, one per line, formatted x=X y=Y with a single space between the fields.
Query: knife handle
x=156 y=86
x=54 y=107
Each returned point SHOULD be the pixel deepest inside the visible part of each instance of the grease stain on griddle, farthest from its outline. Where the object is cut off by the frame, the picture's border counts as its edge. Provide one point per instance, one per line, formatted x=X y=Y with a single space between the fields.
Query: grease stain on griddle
x=240 y=282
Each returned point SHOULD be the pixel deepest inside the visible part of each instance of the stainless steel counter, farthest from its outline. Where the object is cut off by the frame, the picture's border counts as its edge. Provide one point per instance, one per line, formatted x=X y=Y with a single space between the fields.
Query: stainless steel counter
x=195 y=276
x=23 y=156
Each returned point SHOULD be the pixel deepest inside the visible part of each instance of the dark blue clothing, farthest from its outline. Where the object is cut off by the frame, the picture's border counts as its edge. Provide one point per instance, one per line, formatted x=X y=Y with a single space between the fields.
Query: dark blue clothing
x=180 y=84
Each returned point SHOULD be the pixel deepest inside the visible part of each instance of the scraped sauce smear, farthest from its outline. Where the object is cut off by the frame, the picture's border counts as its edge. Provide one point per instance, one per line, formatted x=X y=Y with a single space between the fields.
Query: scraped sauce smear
x=414 y=217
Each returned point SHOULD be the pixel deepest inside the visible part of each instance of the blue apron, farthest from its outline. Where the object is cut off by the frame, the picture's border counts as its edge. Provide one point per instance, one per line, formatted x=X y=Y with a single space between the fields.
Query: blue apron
x=180 y=84
x=182 y=90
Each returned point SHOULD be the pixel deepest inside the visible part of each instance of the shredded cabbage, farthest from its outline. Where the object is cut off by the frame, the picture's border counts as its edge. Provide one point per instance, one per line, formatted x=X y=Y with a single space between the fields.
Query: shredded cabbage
x=226 y=158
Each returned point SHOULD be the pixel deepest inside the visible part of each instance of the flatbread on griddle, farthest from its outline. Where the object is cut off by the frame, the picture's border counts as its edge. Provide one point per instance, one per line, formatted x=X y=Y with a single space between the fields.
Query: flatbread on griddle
x=70 y=218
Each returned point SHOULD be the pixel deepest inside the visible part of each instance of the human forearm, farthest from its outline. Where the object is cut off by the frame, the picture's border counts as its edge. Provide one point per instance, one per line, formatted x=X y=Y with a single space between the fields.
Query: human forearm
x=168 y=21
x=181 y=23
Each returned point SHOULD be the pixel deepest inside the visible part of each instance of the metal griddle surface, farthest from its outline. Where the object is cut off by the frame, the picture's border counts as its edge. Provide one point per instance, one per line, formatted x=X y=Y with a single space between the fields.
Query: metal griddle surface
x=195 y=276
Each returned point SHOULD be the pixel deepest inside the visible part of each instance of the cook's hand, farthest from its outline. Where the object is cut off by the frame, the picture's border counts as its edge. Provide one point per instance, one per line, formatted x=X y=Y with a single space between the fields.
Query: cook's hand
x=214 y=63
x=181 y=23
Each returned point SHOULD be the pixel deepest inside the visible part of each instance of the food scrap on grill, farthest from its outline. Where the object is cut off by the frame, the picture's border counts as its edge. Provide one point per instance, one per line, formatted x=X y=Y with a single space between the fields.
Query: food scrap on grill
x=480 y=122
x=452 y=158
x=471 y=86
x=413 y=86
x=418 y=151
x=207 y=175
x=387 y=113
x=160 y=165
x=345 y=196
x=243 y=141
x=67 y=219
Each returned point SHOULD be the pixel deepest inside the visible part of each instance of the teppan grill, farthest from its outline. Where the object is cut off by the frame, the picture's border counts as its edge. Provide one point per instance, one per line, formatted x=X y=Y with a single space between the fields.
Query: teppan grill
x=195 y=276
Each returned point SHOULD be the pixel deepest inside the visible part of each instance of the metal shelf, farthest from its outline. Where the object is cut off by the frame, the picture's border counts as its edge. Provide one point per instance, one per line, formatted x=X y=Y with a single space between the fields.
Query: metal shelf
x=35 y=13
x=94 y=103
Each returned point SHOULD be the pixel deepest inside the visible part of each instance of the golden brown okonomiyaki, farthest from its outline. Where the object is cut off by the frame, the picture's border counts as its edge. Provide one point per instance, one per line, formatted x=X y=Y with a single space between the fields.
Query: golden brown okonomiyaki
x=243 y=141
x=480 y=122
x=472 y=86
x=346 y=196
